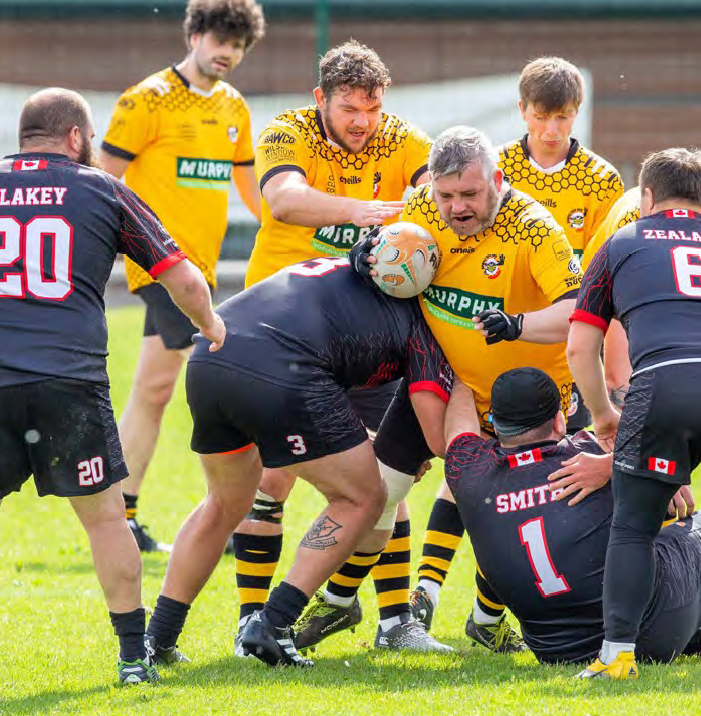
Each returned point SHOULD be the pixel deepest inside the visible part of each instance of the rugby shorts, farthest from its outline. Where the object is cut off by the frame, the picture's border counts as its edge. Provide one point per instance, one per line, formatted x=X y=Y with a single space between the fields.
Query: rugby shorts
x=289 y=425
x=64 y=433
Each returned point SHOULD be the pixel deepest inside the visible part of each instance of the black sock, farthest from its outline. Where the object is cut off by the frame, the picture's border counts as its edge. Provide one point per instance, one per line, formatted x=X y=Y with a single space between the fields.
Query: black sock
x=130 y=627
x=285 y=605
x=130 y=505
x=167 y=621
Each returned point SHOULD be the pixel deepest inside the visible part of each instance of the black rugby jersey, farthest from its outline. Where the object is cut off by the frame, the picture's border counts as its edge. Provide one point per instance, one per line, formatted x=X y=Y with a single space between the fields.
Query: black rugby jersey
x=544 y=559
x=648 y=275
x=318 y=322
x=62 y=225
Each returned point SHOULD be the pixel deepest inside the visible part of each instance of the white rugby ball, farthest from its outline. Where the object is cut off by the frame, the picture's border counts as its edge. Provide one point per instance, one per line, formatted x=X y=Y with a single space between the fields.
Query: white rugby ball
x=407 y=259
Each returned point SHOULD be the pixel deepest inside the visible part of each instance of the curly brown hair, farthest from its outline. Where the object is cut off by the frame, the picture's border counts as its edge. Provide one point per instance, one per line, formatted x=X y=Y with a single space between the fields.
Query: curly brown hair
x=227 y=19
x=352 y=65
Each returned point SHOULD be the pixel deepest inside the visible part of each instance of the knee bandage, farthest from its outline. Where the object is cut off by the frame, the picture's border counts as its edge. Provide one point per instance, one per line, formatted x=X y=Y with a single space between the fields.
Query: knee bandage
x=398 y=486
x=266 y=509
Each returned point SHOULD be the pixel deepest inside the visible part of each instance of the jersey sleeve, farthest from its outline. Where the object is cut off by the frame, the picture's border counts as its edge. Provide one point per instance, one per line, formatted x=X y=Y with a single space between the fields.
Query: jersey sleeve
x=428 y=367
x=595 y=301
x=462 y=452
x=243 y=154
x=418 y=145
x=281 y=149
x=602 y=233
x=132 y=127
x=142 y=237
x=614 y=193
x=553 y=264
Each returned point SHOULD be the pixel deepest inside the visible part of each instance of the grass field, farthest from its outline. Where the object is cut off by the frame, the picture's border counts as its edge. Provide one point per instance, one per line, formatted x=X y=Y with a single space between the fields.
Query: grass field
x=58 y=653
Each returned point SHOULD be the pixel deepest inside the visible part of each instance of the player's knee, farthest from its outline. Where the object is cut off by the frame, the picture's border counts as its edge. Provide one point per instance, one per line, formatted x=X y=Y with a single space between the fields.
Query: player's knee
x=266 y=509
x=398 y=485
x=277 y=483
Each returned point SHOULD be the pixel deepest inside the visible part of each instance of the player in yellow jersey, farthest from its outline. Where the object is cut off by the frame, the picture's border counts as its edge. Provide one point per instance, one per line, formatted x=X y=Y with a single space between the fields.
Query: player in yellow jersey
x=578 y=188
x=329 y=173
x=178 y=138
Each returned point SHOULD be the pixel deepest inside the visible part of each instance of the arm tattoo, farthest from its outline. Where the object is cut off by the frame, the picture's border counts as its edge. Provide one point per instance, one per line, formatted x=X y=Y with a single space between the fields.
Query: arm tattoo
x=618 y=395
x=320 y=535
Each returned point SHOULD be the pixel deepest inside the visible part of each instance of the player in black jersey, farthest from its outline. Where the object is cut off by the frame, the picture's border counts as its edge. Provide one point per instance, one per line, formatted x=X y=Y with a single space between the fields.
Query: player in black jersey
x=545 y=559
x=647 y=276
x=276 y=396
x=63 y=223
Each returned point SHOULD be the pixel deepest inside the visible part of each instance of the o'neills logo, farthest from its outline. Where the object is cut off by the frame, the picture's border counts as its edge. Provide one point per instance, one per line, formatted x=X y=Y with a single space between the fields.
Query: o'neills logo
x=204 y=173
x=351 y=180
x=456 y=306
x=337 y=240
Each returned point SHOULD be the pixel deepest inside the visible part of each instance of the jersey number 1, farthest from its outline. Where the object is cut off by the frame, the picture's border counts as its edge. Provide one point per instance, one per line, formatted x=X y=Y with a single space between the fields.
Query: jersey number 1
x=29 y=241
x=548 y=581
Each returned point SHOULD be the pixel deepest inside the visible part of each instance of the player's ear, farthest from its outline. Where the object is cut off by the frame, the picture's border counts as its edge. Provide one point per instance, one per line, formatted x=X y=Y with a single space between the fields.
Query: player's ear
x=498 y=179
x=320 y=98
x=560 y=424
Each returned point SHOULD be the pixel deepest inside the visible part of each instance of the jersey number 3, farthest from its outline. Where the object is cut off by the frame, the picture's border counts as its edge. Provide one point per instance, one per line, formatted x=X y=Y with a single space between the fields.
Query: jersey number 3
x=43 y=238
x=533 y=538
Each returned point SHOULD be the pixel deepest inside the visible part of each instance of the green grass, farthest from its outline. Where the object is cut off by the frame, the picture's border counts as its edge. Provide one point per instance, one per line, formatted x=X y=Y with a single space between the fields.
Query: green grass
x=58 y=653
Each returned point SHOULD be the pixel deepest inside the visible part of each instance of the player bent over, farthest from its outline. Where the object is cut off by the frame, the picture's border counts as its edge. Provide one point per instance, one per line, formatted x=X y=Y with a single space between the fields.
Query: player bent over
x=545 y=558
x=63 y=224
x=296 y=343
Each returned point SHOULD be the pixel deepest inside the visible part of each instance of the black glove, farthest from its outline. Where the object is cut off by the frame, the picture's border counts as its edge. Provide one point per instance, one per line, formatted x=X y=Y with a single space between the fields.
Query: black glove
x=500 y=326
x=358 y=255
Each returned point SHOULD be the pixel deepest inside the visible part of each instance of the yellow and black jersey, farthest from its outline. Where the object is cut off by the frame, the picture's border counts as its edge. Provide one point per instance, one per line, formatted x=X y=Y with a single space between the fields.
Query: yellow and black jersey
x=625 y=211
x=296 y=141
x=182 y=145
x=522 y=263
x=579 y=194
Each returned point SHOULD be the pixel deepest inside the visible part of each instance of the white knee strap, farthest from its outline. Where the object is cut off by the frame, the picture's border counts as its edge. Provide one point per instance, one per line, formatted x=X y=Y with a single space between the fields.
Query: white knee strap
x=398 y=486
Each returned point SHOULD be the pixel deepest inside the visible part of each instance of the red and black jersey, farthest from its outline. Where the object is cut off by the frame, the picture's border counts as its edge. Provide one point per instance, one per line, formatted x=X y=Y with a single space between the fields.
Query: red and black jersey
x=544 y=559
x=318 y=322
x=61 y=226
x=648 y=275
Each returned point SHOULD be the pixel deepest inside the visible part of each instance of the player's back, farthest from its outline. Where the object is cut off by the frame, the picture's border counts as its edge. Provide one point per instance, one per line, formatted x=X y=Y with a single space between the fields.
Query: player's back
x=543 y=558
x=315 y=322
x=59 y=221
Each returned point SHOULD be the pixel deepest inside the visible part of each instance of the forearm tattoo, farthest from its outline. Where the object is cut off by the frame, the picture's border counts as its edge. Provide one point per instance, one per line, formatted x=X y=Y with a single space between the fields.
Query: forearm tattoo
x=618 y=395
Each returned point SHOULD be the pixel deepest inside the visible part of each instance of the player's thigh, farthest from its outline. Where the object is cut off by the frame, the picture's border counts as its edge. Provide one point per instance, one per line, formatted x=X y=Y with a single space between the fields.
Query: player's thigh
x=158 y=368
x=74 y=448
x=233 y=478
x=164 y=319
x=15 y=466
x=99 y=507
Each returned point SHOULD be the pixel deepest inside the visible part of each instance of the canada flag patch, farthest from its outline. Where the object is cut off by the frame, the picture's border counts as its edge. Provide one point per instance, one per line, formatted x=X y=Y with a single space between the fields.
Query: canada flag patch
x=525 y=458
x=658 y=464
x=29 y=165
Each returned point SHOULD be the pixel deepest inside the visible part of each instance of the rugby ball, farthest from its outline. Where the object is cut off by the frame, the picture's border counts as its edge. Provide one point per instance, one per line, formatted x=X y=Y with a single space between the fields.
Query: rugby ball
x=407 y=259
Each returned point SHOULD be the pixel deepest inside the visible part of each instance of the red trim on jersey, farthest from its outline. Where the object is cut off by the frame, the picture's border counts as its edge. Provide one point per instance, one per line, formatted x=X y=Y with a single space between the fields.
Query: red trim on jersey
x=431 y=387
x=585 y=317
x=245 y=448
x=458 y=436
x=166 y=263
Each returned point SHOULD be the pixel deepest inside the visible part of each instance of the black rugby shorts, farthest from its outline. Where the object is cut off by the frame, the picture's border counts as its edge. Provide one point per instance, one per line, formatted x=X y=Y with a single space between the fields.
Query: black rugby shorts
x=63 y=432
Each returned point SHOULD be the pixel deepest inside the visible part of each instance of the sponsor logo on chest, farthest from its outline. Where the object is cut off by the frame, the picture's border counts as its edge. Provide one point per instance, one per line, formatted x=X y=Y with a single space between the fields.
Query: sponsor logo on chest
x=203 y=173
x=455 y=306
x=337 y=240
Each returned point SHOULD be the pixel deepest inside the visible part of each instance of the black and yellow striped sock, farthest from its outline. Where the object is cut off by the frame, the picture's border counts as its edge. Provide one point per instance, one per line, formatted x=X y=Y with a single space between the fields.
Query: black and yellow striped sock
x=130 y=505
x=487 y=601
x=256 y=559
x=392 y=573
x=344 y=585
x=442 y=539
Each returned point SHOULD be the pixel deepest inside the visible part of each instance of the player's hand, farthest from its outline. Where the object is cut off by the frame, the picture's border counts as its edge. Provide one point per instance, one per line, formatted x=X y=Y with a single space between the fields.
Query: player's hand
x=214 y=332
x=359 y=256
x=580 y=476
x=369 y=213
x=682 y=504
x=497 y=326
x=425 y=467
x=605 y=427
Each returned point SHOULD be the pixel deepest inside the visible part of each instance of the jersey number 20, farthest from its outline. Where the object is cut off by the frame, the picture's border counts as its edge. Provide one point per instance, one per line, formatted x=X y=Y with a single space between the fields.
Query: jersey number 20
x=28 y=241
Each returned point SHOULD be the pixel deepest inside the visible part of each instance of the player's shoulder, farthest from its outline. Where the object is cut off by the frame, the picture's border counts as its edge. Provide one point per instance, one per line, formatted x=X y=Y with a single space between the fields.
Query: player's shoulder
x=581 y=441
x=228 y=91
x=150 y=90
x=589 y=164
x=511 y=152
x=393 y=131
x=420 y=203
x=465 y=451
x=522 y=218
x=301 y=124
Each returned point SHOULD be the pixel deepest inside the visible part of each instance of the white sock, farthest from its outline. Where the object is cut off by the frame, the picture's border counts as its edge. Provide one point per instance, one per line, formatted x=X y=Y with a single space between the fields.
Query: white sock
x=433 y=589
x=611 y=649
x=387 y=624
x=337 y=601
x=481 y=617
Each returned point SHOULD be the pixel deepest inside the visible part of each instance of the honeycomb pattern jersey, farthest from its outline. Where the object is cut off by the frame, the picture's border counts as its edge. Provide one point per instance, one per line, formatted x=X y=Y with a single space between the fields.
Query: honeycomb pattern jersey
x=579 y=195
x=182 y=145
x=296 y=141
x=522 y=263
x=625 y=211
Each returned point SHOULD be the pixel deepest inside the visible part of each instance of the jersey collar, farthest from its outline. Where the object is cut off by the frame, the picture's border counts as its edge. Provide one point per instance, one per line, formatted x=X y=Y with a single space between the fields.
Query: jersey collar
x=191 y=87
x=675 y=214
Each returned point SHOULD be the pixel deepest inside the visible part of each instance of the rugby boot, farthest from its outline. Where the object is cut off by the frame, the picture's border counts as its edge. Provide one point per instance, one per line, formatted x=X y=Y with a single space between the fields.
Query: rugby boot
x=421 y=607
x=144 y=540
x=321 y=619
x=269 y=643
x=499 y=638
x=410 y=636
x=622 y=667
x=162 y=655
x=140 y=671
